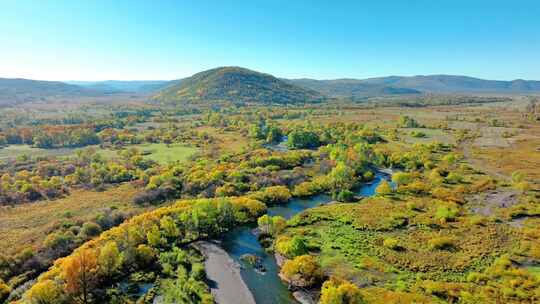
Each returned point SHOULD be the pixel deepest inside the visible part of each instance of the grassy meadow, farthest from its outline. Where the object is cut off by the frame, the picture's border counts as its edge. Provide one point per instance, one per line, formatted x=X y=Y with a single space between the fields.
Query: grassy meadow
x=28 y=225
x=14 y=151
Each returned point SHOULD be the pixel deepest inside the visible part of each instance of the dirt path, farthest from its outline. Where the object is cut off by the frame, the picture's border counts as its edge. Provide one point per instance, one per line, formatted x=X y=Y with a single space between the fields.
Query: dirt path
x=224 y=274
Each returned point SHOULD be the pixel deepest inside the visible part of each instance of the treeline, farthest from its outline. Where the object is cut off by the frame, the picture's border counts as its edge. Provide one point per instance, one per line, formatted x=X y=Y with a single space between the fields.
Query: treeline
x=432 y=100
x=51 y=136
x=71 y=131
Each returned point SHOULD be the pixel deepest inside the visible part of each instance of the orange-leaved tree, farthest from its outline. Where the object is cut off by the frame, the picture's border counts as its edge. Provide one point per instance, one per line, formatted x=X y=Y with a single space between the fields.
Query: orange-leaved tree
x=80 y=274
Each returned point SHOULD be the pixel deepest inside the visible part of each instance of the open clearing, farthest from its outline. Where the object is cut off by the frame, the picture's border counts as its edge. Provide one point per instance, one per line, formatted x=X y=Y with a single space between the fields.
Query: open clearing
x=432 y=135
x=522 y=156
x=14 y=151
x=161 y=153
x=226 y=141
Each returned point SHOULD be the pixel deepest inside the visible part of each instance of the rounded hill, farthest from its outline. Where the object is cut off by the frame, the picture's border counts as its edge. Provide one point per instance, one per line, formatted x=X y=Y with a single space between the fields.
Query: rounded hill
x=235 y=84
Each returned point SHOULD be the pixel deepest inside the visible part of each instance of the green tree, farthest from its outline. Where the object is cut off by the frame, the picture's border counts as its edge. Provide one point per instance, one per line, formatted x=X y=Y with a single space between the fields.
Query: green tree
x=274 y=135
x=271 y=224
x=408 y=122
x=341 y=177
x=90 y=229
x=185 y=290
x=169 y=228
x=155 y=238
x=446 y=214
x=110 y=260
x=300 y=139
x=291 y=247
x=145 y=255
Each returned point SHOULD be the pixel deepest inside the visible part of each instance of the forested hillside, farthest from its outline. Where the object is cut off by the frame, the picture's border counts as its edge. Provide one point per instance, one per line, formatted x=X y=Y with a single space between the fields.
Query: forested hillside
x=235 y=84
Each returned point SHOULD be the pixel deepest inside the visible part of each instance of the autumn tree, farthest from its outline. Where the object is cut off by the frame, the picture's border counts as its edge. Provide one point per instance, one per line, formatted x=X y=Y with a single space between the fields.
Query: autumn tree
x=80 y=274
x=273 y=195
x=302 y=271
x=383 y=188
x=45 y=292
x=336 y=291
x=4 y=291
x=402 y=178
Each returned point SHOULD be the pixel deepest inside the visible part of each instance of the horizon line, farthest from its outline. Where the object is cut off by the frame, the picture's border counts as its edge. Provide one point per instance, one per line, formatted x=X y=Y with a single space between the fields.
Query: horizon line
x=289 y=78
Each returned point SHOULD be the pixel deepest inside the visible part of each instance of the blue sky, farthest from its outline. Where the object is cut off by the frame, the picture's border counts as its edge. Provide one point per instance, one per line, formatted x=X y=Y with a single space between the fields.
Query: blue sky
x=98 y=40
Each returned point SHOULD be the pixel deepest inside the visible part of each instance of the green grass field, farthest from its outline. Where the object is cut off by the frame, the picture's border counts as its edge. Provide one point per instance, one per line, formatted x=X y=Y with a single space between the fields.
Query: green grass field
x=164 y=153
x=14 y=151
x=161 y=153
x=432 y=135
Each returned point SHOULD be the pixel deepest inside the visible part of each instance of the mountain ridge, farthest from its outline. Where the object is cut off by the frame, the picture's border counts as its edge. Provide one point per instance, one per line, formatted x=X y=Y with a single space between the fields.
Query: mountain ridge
x=351 y=88
x=17 y=90
x=438 y=83
x=125 y=86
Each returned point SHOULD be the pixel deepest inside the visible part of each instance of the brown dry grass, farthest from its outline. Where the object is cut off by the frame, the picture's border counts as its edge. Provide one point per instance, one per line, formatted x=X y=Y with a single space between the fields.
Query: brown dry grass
x=227 y=141
x=28 y=224
x=523 y=155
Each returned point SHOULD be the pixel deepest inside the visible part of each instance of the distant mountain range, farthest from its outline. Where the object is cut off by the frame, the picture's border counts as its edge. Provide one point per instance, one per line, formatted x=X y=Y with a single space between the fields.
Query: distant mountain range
x=18 y=90
x=121 y=86
x=350 y=88
x=238 y=84
x=397 y=85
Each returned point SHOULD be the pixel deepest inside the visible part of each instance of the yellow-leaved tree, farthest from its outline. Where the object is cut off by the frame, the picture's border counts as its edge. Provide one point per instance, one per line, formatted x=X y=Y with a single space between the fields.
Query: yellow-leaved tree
x=336 y=291
x=45 y=292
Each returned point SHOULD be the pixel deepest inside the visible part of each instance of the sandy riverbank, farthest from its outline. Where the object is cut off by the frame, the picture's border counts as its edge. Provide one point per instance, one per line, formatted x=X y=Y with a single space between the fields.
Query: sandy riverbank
x=224 y=275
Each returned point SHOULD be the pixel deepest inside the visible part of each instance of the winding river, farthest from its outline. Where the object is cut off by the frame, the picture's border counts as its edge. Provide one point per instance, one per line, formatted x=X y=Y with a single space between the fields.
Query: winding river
x=267 y=288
